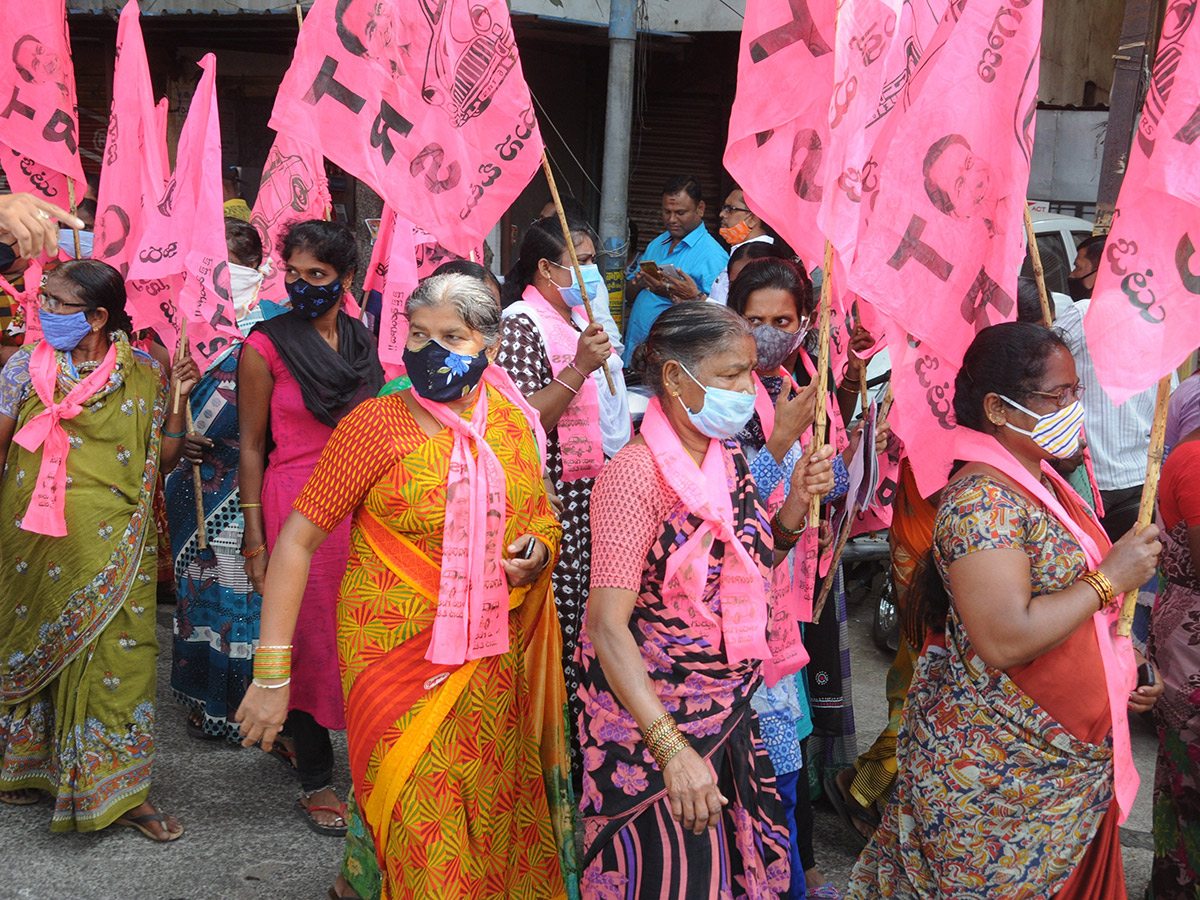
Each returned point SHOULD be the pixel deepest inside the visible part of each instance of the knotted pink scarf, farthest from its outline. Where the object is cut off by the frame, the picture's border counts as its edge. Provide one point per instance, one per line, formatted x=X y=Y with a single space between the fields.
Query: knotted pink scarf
x=472 y=612
x=47 y=507
x=792 y=582
x=580 y=441
x=704 y=492
x=1120 y=672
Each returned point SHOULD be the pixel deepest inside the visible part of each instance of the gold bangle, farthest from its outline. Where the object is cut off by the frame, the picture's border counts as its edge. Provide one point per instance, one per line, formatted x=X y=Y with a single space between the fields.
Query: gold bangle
x=250 y=505
x=675 y=751
x=1102 y=585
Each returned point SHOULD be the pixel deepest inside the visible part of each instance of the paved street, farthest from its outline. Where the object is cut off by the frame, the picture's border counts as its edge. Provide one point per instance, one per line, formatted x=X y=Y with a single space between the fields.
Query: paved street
x=244 y=840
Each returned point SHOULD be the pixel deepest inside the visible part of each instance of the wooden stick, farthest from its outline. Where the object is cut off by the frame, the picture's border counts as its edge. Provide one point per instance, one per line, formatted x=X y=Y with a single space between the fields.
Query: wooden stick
x=1158 y=435
x=179 y=351
x=862 y=386
x=814 y=507
x=299 y=16
x=886 y=406
x=566 y=230
x=198 y=489
x=1039 y=273
x=819 y=606
x=74 y=212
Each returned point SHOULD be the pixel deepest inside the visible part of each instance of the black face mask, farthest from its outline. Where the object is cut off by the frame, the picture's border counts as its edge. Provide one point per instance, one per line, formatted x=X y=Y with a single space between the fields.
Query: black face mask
x=442 y=375
x=8 y=256
x=1077 y=290
x=313 y=300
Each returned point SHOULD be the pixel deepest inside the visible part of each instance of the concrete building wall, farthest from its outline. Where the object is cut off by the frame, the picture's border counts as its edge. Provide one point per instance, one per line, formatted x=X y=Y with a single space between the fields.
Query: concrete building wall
x=1079 y=38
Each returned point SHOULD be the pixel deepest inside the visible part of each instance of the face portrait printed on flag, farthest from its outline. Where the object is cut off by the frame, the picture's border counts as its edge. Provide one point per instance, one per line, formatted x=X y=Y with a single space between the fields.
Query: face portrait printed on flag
x=39 y=129
x=879 y=45
x=1144 y=315
x=942 y=242
x=422 y=99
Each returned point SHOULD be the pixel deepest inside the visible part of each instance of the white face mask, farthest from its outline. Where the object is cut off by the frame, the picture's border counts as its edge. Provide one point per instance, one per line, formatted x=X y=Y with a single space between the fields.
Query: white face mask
x=244 y=283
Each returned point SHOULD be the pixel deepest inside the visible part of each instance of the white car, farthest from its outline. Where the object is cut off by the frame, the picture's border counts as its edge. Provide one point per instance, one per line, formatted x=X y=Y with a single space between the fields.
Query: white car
x=1058 y=238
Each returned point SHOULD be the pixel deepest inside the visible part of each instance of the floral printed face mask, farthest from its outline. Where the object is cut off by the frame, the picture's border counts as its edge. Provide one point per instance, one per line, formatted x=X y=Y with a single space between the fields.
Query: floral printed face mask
x=442 y=375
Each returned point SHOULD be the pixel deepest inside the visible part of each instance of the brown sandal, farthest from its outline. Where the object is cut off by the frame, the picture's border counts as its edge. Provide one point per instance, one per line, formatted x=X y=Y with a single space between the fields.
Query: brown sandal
x=22 y=797
x=142 y=824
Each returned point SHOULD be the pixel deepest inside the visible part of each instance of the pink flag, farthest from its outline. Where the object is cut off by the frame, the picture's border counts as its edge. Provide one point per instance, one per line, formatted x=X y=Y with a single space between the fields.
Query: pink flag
x=942 y=241
x=425 y=101
x=1144 y=316
x=293 y=189
x=777 y=137
x=431 y=253
x=26 y=175
x=393 y=273
x=185 y=230
x=134 y=165
x=37 y=98
x=879 y=44
x=922 y=415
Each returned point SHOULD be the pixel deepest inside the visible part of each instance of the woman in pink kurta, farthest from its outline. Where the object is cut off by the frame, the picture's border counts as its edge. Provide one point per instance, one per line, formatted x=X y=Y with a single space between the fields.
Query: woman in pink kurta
x=299 y=374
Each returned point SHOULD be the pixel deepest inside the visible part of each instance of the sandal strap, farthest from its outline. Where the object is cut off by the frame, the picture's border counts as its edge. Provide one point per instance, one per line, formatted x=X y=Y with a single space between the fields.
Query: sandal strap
x=340 y=812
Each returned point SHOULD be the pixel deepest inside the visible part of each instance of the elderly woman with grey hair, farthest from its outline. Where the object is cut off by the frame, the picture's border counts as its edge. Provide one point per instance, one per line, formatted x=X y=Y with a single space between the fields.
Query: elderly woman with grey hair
x=447 y=637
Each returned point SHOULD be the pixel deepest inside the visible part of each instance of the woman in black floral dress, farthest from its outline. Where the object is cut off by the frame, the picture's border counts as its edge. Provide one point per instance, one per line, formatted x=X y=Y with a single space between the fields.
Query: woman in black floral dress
x=554 y=356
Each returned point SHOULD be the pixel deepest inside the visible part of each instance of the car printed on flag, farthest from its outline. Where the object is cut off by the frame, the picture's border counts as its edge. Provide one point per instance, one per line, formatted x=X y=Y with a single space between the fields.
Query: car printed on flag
x=288 y=179
x=469 y=57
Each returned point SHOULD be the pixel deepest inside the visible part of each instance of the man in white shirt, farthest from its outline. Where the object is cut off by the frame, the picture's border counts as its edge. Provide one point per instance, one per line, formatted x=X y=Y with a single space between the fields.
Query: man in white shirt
x=738 y=226
x=1119 y=436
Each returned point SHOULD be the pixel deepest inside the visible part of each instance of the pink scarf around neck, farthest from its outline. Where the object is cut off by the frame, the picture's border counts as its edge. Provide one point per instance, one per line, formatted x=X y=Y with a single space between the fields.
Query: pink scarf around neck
x=704 y=492
x=472 y=612
x=47 y=507
x=1120 y=672
x=580 y=443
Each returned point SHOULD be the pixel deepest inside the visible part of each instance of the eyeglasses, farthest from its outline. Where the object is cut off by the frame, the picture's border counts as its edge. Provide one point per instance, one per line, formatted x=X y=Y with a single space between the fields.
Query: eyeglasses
x=1062 y=397
x=727 y=209
x=50 y=303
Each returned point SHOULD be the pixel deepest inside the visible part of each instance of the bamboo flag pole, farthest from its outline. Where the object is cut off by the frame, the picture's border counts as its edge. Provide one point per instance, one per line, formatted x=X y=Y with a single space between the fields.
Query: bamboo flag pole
x=1158 y=435
x=74 y=212
x=198 y=490
x=299 y=16
x=1039 y=273
x=566 y=229
x=179 y=351
x=814 y=507
x=827 y=584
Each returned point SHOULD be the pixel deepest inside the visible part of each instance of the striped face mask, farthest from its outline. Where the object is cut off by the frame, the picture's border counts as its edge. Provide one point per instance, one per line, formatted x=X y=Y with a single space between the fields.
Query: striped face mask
x=1058 y=432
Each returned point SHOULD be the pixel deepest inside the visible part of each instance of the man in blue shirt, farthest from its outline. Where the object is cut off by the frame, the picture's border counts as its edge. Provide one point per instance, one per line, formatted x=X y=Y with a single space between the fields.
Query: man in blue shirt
x=686 y=245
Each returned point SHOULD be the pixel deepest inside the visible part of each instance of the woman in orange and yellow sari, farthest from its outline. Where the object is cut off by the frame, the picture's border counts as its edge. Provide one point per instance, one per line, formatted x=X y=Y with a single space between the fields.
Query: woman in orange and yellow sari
x=447 y=636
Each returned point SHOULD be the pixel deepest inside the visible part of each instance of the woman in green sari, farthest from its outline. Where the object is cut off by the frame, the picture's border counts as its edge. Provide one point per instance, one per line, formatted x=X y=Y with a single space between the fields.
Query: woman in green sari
x=83 y=423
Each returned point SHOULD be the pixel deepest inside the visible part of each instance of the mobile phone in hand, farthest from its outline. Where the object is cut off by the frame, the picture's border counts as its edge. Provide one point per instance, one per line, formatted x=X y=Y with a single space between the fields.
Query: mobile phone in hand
x=528 y=554
x=1145 y=675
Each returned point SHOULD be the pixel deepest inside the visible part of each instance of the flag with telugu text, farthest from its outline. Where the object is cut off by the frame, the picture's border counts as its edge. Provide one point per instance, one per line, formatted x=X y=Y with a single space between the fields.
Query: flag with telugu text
x=1144 y=318
x=424 y=101
x=38 y=122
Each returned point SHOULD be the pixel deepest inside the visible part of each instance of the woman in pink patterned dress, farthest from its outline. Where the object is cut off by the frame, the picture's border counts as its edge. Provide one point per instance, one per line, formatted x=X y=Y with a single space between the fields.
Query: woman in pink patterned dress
x=299 y=374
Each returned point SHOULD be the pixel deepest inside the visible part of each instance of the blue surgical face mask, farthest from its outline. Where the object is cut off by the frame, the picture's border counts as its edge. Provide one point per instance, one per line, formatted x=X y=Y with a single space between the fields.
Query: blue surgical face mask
x=592 y=280
x=64 y=332
x=724 y=412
